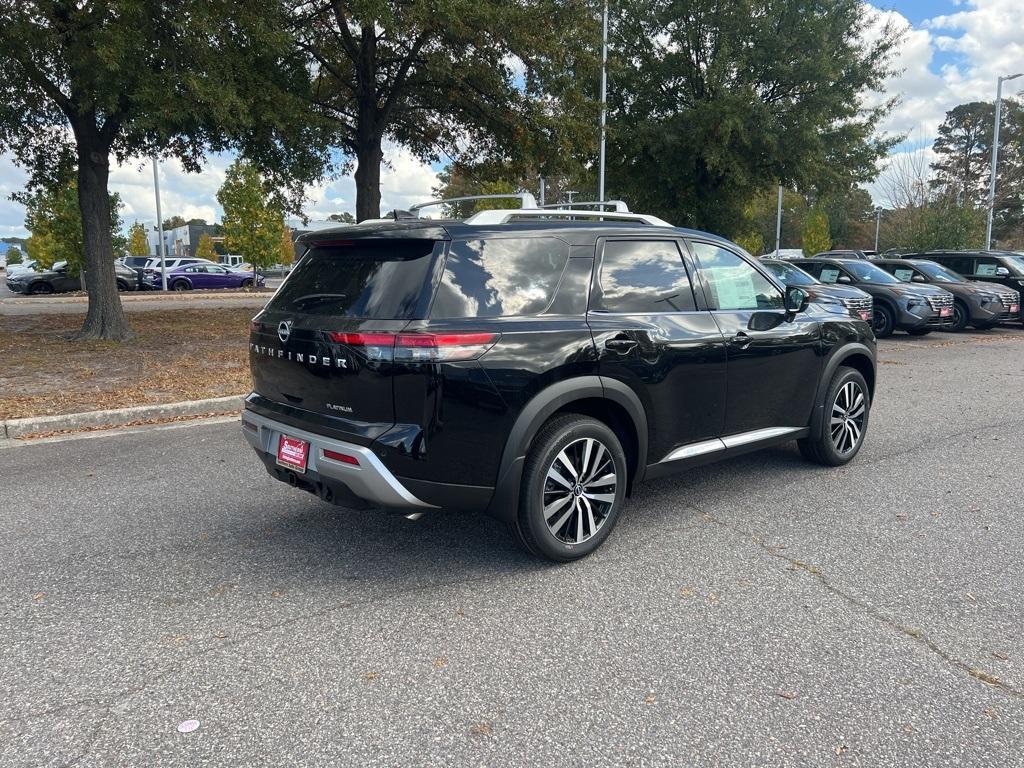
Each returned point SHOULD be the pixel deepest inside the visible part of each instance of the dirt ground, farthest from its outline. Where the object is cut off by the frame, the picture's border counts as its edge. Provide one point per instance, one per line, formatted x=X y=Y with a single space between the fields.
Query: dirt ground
x=180 y=354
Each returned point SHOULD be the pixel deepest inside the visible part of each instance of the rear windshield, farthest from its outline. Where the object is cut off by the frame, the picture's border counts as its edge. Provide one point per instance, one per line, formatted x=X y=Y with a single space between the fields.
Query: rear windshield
x=375 y=279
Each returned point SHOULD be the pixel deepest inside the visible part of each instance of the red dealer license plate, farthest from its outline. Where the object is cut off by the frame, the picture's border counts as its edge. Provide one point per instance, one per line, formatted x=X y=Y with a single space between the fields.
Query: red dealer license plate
x=1014 y=309
x=945 y=312
x=865 y=315
x=292 y=453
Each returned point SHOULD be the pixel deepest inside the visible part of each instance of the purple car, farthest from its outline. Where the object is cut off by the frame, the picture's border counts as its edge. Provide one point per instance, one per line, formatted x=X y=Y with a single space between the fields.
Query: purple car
x=190 y=276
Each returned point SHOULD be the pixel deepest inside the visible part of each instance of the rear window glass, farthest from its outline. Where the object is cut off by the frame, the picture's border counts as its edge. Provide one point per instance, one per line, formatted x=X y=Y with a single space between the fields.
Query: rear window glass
x=500 y=277
x=376 y=279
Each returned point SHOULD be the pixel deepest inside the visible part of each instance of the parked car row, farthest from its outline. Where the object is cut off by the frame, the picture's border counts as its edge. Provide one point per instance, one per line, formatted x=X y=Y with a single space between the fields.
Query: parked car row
x=912 y=294
x=59 y=279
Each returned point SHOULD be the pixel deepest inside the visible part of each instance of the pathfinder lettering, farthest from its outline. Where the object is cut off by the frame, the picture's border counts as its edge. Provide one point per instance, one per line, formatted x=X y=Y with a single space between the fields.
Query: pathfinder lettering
x=299 y=357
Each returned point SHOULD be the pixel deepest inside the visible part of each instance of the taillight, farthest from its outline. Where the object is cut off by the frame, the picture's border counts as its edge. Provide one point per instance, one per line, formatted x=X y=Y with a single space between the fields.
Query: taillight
x=344 y=458
x=419 y=347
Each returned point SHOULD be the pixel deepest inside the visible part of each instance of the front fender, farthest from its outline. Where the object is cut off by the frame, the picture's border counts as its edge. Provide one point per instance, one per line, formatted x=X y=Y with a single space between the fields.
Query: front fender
x=838 y=357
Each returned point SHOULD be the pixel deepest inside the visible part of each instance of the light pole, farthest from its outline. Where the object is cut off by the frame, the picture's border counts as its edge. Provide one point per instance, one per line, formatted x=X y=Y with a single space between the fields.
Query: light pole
x=995 y=157
x=878 y=225
x=778 y=223
x=161 y=245
x=604 y=102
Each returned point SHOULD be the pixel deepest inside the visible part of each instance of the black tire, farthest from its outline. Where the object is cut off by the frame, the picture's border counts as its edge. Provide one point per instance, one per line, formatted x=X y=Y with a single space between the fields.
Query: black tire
x=247 y=283
x=882 y=321
x=122 y=286
x=180 y=285
x=919 y=331
x=592 y=513
x=961 y=316
x=822 y=447
x=40 y=289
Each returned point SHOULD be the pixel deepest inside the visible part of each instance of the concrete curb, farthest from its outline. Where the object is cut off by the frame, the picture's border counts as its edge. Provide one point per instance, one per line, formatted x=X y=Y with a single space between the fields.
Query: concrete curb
x=12 y=428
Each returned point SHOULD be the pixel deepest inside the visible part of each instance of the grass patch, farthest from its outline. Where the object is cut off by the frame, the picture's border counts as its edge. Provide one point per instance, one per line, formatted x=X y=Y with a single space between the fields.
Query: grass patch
x=179 y=354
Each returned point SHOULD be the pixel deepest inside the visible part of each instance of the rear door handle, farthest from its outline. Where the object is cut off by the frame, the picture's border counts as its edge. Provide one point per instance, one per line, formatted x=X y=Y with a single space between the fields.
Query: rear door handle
x=741 y=340
x=620 y=344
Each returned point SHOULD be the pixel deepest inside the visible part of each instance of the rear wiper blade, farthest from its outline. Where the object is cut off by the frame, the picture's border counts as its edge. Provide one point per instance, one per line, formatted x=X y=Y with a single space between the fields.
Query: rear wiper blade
x=312 y=298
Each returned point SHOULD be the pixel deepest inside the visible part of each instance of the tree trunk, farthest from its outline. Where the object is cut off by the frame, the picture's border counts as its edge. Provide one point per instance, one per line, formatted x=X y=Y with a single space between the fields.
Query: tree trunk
x=105 y=317
x=369 y=157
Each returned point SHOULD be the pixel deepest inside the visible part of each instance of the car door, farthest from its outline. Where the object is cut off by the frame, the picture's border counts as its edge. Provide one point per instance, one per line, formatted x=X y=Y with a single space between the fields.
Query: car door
x=652 y=334
x=773 y=355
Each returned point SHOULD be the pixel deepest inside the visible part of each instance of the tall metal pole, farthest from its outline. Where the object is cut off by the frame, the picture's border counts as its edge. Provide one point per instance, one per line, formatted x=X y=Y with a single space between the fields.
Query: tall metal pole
x=604 y=102
x=541 y=191
x=161 y=245
x=878 y=224
x=778 y=223
x=995 y=157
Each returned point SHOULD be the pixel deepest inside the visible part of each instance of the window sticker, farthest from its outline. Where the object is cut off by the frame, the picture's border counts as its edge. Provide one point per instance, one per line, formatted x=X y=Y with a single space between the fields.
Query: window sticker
x=829 y=275
x=986 y=270
x=735 y=288
x=906 y=275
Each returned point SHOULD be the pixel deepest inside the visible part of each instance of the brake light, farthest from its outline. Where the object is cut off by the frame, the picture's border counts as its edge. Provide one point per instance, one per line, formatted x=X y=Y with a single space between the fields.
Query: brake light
x=419 y=347
x=344 y=458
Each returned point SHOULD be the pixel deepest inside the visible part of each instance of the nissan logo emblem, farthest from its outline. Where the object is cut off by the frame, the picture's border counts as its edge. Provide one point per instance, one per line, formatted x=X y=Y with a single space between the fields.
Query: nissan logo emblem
x=284 y=330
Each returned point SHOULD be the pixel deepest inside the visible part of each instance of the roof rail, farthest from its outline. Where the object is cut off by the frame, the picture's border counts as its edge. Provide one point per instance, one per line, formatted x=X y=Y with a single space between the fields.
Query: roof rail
x=617 y=205
x=504 y=216
x=526 y=200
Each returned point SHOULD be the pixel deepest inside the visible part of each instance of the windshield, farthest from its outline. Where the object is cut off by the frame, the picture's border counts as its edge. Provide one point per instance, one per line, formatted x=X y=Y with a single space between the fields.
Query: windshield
x=939 y=273
x=1016 y=264
x=866 y=272
x=789 y=274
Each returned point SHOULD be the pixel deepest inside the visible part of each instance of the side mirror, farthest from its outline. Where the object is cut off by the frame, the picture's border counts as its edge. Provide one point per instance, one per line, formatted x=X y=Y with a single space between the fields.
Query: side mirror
x=843 y=279
x=1002 y=272
x=918 y=279
x=796 y=299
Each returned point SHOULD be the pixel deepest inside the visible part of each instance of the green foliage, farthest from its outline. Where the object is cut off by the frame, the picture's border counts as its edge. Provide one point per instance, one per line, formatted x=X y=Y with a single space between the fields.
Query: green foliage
x=53 y=217
x=174 y=222
x=815 y=237
x=204 y=248
x=138 y=244
x=505 y=78
x=14 y=255
x=752 y=242
x=711 y=101
x=342 y=218
x=253 y=220
x=286 y=252
x=941 y=224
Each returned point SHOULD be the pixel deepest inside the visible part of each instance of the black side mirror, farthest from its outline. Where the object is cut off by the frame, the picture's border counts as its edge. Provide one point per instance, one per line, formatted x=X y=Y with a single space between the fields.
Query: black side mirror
x=796 y=299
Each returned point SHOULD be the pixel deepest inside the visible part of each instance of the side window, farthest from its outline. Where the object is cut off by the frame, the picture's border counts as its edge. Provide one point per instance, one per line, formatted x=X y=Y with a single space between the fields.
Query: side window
x=964 y=265
x=643 y=276
x=811 y=268
x=500 y=277
x=829 y=274
x=986 y=266
x=906 y=274
x=735 y=284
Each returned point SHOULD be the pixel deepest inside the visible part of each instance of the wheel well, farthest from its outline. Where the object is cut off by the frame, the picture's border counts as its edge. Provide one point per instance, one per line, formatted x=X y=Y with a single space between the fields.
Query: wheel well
x=617 y=419
x=862 y=363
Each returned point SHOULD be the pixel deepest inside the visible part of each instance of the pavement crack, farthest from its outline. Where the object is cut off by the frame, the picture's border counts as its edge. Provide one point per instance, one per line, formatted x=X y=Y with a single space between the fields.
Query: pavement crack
x=916 y=635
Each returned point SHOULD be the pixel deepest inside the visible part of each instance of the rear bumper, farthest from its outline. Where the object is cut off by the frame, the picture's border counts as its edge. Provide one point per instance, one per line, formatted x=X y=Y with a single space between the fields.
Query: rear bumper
x=369 y=480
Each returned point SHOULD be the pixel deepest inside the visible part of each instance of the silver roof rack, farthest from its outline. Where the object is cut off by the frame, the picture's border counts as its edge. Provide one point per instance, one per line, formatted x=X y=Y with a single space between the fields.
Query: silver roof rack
x=507 y=215
x=616 y=205
x=526 y=200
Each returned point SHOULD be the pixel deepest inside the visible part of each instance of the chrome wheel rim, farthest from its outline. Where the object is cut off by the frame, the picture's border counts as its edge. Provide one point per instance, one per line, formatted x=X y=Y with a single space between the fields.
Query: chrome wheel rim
x=579 y=491
x=849 y=411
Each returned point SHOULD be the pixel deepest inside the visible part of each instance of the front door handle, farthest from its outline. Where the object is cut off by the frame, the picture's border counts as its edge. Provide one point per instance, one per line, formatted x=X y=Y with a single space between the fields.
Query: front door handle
x=741 y=340
x=620 y=344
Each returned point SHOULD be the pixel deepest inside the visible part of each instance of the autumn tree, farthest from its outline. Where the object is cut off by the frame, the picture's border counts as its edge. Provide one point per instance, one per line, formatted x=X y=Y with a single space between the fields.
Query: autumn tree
x=711 y=102
x=86 y=83
x=342 y=218
x=286 y=254
x=14 y=255
x=815 y=237
x=138 y=244
x=253 y=220
x=431 y=76
x=205 y=249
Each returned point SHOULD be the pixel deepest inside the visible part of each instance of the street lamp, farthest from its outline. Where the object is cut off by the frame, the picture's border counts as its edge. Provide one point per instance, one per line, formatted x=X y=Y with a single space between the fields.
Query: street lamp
x=878 y=225
x=604 y=102
x=995 y=157
x=161 y=246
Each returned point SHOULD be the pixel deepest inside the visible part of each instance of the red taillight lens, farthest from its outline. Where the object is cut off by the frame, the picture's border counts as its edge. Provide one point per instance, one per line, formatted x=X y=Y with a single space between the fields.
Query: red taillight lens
x=344 y=458
x=419 y=347
x=254 y=326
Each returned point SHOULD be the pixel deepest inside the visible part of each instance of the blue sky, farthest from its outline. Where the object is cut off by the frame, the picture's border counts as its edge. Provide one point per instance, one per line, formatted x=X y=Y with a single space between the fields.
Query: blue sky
x=952 y=51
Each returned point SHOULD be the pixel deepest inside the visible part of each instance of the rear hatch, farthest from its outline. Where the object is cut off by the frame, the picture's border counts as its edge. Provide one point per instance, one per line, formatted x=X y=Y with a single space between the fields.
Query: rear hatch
x=321 y=351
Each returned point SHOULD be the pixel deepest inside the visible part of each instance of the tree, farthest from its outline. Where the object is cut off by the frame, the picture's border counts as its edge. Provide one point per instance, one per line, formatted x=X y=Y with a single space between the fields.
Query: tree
x=14 y=255
x=815 y=238
x=286 y=255
x=82 y=83
x=711 y=102
x=432 y=75
x=205 y=249
x=138 y=243
x=53 y=216
x=174 y=222
x=342 y=218
x=252 y=219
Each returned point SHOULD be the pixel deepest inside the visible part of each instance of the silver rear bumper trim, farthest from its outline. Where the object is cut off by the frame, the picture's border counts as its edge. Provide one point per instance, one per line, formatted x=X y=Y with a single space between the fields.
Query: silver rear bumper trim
x=370 y=480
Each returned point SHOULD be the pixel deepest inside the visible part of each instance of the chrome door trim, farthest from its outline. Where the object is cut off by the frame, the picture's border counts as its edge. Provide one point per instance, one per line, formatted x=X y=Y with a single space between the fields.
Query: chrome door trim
x=724 y=443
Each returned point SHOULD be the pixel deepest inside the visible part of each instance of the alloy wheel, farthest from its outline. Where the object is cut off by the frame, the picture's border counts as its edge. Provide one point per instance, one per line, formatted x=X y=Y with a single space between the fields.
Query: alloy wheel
x=579 y=490
x=849 y=410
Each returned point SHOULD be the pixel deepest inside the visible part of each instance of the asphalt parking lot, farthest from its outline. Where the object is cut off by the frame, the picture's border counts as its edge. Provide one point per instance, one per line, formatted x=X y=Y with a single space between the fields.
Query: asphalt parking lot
x=761 y=611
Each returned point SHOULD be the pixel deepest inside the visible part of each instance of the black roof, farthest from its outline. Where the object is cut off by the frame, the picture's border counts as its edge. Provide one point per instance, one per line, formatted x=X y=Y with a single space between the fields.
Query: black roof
x=574 y=232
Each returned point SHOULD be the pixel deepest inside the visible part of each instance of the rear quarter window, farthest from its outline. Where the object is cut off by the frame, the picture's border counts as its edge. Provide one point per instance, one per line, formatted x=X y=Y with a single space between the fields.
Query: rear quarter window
x=500 y=277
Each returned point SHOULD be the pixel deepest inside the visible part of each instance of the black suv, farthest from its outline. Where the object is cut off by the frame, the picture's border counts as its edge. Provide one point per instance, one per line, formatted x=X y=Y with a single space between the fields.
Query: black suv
x=537 y=366
x=1003 y=267
x=916 y=309
x=981 y=305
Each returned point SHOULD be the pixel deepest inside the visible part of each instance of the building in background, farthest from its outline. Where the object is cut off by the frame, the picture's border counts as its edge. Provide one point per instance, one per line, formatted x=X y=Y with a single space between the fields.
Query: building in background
x=181 y=241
